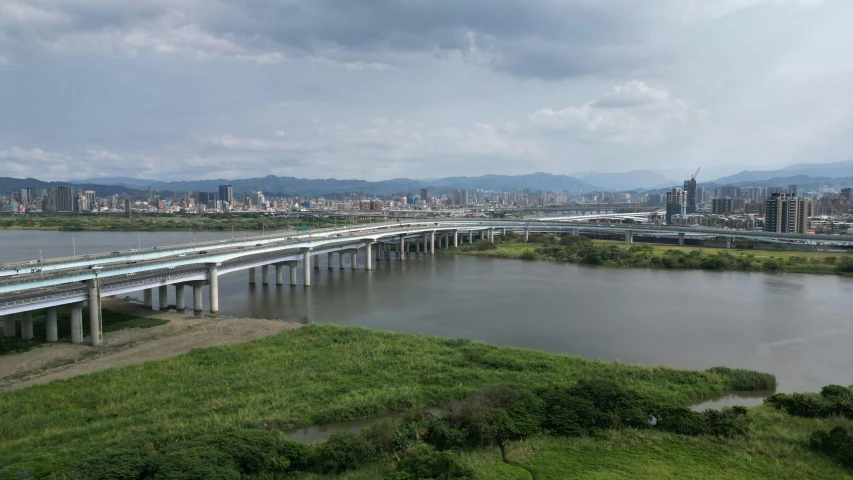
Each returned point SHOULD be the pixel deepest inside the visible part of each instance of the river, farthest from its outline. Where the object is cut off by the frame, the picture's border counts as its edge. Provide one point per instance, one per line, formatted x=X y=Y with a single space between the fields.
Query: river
x=799 y=327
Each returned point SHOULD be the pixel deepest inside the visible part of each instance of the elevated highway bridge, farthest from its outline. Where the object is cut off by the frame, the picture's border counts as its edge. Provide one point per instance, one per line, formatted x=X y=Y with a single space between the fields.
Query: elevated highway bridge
x=29 y=286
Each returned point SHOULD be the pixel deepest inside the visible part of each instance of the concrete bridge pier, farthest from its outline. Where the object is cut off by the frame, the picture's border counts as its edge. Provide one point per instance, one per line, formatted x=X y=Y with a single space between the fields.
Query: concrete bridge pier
x=148 y=298
x=576 y=232
x=279 y=274
x=180 y=301
x=50 y=326
x=197 y=304
x=368 y=256
x=27 y=325
x=492 y=235
x=162 y=297
x=482 y=234
x=252 y=276
x=728 y=242
x=213 y=282
x=9 y=326
x=402 y=248
x=470 y=236
x=455 y=239
x=292 y=264
x=354 y=259
x=329 y=260
x=526 y=235
x=629 y=237
x=265 y=274
x=681 y=239
x=77 y=322
x=341 y=260
x=95 y=321
x=306 y=266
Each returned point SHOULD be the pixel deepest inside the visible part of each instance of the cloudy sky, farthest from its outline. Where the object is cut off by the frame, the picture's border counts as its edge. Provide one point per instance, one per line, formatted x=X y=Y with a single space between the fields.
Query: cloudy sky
x=377 y=89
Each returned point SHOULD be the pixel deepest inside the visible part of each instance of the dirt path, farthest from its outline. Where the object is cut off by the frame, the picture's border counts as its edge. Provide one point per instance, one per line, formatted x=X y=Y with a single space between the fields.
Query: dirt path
x=133 y=345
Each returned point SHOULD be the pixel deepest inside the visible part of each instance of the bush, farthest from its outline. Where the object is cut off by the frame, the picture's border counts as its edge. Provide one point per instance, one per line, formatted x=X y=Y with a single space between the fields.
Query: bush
x=194 y=463
x=424 y=462
x=728 y=422
x=528 y=254
x=809 y=405
x=574 y=240
x=444 y=436
x=119 y=464
x=837 y=444
x=260 y=451
x=381 y=436
x=568 y=415
x=342 y=451
x=484 y=245
x=679 y=419
x=746 y=380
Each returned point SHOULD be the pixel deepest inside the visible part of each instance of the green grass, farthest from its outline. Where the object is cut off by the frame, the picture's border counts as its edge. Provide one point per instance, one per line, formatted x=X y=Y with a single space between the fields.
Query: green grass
x=759 y=260
x=776 y=448
x=112 y=321
x=311 y=375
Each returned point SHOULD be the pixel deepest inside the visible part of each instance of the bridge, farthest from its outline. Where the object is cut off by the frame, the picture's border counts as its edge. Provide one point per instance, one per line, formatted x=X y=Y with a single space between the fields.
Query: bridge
x=75 y=281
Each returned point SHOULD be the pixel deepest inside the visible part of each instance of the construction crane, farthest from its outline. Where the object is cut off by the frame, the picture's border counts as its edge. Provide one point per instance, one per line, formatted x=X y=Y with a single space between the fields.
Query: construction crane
x=697 y=173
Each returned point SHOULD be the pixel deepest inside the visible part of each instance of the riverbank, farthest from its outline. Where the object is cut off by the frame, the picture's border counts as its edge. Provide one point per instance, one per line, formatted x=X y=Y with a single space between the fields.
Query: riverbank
x=310 y=375
x=582 y=250
x=113 y=222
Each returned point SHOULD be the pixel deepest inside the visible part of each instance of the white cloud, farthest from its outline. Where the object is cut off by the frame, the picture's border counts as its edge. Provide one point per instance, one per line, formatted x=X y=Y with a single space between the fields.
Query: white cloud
x=629 y=113
x=102 y=154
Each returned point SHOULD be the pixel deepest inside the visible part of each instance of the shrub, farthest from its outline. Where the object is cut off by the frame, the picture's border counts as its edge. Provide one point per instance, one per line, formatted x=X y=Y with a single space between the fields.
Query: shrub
x=528 y=254
x=259 y=451
x=679 y=419
x=444 y=436
x=574 y=240
x=342 y=451
x=746 y=380
x=569 y=415
x=484 y=245
x=809 y=405
x=194 y=463
x=425 y=462
x=119 y=464
x=728 y=422
x=382 y=436
x=845 y=265
x=837 y=444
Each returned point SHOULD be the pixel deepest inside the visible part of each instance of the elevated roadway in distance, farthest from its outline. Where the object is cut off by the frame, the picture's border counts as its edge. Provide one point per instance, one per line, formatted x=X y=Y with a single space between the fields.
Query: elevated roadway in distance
x=25 y=286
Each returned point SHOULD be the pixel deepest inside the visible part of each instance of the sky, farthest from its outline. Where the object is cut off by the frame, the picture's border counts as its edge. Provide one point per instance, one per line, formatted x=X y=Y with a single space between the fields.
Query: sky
x=380 y=89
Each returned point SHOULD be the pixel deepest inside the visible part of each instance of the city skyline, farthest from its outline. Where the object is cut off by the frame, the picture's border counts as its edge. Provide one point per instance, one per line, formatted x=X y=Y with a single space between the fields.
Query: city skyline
x=213 y=90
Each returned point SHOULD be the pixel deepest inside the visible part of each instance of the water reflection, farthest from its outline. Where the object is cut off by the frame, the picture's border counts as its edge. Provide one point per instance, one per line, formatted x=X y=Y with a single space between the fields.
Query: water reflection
x=730 y=399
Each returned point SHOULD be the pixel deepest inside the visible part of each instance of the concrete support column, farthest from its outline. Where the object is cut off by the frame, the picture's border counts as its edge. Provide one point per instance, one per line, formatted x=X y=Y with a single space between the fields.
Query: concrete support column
x=95 y=323
x=402 y=248
x=492 y=235
x=728 y=242
x=77 y=322
x=162 y=297
x=50 y=326
x=526 y=235
x=213 y=281
x=148 y=298
x=180 y=301
x=279 y=274
x=197 y=304
x=329 y=257
x=306 y=266
x=354 y=259
x=340 y=260
x=368 y=257
x=470 y=236
x=629 y=237
x=432 y=243
x=265 y=274
x=455 y=239
x=482 y=234
x=27 y=325
x=9 y=326
x=576 y=232
x=292 y=264
x=681 y=239
x=252 y=276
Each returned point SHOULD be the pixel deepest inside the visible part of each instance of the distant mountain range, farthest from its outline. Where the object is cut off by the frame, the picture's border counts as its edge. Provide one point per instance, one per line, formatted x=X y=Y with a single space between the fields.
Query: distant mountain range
x=805 y=175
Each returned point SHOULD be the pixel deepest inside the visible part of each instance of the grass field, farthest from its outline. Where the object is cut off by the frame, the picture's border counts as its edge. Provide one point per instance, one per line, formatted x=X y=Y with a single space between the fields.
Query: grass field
x=777 y=448
x=650 y=255
x=112 y=321
x=311 y=375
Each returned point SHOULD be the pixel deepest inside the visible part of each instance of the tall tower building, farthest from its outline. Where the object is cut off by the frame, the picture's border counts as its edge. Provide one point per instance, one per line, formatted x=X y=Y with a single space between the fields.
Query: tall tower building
x=64 y=199
x=90 y=197
x=226 y=193
x=425 y=195
x=690 y=193
x=787 y=213
x=675 y=203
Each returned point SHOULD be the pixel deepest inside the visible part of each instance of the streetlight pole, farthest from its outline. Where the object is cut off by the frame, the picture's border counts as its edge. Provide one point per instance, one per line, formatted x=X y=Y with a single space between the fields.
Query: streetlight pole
x=73 y=247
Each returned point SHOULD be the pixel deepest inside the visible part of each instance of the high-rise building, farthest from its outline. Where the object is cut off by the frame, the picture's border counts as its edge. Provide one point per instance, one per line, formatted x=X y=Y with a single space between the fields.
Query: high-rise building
x=721 y=205
x=847 y=193
x=676 y=202
x=63 y=199
x=460 y=197
x=203 y=198
x=28 y=196
x=226 y=193
x=90 y=198
x=425 y=195
x=787 y=213
x=690 y=195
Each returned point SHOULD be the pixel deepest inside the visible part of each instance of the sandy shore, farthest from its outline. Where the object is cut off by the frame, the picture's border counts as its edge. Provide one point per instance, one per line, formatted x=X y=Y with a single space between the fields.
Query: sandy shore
x=132 y=345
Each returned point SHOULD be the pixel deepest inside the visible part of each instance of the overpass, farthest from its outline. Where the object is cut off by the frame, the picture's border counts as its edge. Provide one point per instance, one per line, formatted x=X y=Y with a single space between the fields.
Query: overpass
x=28 y=286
